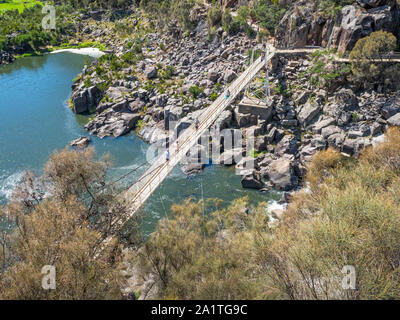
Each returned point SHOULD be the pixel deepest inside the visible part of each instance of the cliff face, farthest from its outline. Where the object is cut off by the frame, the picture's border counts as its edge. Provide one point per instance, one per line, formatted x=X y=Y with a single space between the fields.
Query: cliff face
x=303 y=26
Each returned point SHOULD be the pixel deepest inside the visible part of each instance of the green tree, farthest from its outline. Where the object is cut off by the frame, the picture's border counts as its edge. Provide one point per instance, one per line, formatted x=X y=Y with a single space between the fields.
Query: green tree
x=268 y=14
x=369 y=63
x=214 y=16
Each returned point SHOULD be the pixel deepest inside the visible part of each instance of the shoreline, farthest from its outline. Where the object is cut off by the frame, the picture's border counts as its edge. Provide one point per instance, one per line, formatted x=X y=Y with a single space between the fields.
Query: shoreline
x=92 y=52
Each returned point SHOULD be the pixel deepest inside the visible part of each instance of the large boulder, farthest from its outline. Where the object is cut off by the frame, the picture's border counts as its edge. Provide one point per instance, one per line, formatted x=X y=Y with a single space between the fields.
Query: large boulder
x=195 y=160
x=307 y=113
x=213 y=75
x=252 y=181
x=224 y=120
x=303 y=25
x=287 y=145
x=281 y=174
x=394 y=120
x=230 y=157
x=229 y=76
x=391 y=107
x=116 y=93
x=245 y=166
x=81 y=142
x=83 y=99
x=80 y=102
x=172 y=114
x=151 y=72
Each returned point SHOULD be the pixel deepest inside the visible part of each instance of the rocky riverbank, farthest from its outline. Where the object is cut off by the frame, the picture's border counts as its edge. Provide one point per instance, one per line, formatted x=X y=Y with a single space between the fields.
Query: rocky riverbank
x=178 y=76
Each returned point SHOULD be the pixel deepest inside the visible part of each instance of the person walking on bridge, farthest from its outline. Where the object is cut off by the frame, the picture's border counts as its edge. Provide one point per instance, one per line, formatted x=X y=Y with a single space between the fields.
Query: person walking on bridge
x=196 y=123
x=390 y=55
x=228 y=93
x=167 y=155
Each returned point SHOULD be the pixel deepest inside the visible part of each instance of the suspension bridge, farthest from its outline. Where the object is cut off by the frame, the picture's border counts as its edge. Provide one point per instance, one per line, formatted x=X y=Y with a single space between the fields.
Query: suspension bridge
x=137 y=194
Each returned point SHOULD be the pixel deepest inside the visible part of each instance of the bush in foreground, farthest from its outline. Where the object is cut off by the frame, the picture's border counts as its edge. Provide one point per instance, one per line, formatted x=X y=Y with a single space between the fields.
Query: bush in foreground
x=350 y=215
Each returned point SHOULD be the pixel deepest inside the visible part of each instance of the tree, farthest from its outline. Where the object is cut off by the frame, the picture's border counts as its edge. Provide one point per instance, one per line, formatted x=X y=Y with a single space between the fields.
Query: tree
x=61 y=219
x=226 y=20
x=350 y=216
x=212 y=259
x=57 y=234
x=268 y=14
x=214 y=16
x=369 y=63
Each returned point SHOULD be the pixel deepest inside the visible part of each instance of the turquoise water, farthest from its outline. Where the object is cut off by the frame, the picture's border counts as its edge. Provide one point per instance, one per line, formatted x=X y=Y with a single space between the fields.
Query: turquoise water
x=35 y=120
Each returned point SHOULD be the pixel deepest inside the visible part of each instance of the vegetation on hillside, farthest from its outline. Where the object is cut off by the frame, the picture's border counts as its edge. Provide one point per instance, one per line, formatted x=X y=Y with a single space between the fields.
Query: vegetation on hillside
x=324 y=72
x=60 y=219
x=368 y=64
x=23 y=32
x=350 y=215
x=19 y=5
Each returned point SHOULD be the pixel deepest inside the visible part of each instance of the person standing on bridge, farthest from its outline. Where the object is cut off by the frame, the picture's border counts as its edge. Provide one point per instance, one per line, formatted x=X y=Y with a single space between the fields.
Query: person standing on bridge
x=390 y=55
x=196 y=123
x=228 y=93
x=167 y=155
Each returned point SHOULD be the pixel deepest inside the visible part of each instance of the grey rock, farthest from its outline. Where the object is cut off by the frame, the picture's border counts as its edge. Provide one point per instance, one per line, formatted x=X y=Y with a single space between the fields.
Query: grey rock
x=260 y=143
x=323 y=123
x=224 y=120
x=391 y=107
x=81 y=142
x=245 y=166
x=277 y=213
x=394 y=120
x=230 y=157
x=120 y=106
x=213 y=75
x=151 y=72
x=229 y=76
x=328 y=131
x=281 y=174
x=80 y=102
x=287 y=145
x=307 y=113
x=252 y=181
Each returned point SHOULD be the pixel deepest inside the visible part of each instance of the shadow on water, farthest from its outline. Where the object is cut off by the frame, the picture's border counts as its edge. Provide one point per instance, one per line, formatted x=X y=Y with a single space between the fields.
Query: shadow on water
x=31 y=63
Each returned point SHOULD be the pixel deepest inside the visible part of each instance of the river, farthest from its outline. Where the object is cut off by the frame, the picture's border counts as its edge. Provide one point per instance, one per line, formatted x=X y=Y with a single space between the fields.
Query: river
x=35 y=121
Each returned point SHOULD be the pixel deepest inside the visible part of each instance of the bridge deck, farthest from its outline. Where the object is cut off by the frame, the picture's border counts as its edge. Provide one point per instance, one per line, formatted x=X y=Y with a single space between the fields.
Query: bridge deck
x=160 y=169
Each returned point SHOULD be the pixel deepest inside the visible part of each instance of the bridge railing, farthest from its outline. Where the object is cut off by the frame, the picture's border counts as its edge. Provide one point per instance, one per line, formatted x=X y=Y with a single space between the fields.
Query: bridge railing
x=159 y=170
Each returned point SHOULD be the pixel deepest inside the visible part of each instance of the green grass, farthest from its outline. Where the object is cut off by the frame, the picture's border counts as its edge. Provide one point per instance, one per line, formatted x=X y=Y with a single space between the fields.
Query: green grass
x=19 y=5
x=81 y=45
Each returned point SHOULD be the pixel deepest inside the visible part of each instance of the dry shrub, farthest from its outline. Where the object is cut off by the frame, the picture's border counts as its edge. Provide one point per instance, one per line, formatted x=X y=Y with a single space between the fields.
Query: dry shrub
x=320 y=164
x=56 y=234
x=73 y=172
x=350 y=216
x=387 y=154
